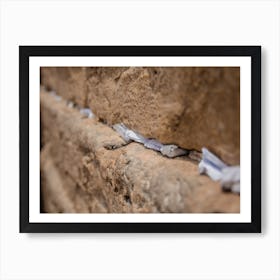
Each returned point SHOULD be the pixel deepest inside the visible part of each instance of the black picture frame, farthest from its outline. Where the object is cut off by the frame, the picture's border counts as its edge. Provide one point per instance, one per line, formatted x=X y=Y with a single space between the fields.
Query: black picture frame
x=25 y=52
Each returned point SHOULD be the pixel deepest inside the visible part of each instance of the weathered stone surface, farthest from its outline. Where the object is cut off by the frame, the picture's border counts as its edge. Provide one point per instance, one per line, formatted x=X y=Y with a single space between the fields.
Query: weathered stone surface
x=87 y=167
x=61 y=194
x=191 y=107
x=68 y=82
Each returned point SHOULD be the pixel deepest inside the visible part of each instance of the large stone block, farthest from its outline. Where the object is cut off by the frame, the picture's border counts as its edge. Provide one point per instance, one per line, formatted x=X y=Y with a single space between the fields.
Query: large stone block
x=68 y=82
x=87 y=167
x=192 y=107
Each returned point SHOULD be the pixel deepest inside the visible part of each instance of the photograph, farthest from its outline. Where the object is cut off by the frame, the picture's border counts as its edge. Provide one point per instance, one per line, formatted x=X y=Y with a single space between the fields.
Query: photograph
x=140 y=138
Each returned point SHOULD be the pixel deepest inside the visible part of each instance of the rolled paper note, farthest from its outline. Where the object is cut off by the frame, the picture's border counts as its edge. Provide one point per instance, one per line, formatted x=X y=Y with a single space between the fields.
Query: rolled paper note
x=54 y=94
x=230 y=179
x=135 y=136
x=210 y=158
x=87 y=113
x=153 y=144
x=167 y=150
x=211 y=165
x=70 y=104
x=210 y=170
x=128 y=134
x=236 y=187
x=172 y=151
x=122 y=130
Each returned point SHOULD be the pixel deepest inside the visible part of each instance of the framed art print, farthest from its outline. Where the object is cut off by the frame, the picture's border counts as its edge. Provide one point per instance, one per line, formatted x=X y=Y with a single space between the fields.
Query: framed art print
x=140 y=138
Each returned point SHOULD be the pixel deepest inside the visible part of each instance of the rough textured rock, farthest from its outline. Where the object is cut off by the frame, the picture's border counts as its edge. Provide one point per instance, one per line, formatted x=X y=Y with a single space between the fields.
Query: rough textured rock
x=68 y=82
x=87 y=167
x=188 y=106
x=61 y=194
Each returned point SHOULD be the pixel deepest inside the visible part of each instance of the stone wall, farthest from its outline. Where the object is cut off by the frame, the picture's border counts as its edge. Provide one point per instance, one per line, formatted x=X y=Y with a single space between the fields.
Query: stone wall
x=192 y=107
x=87 y=167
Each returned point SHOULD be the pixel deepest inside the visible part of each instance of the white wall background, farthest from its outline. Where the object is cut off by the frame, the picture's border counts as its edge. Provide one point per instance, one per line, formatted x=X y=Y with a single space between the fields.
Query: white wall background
x=131 y=256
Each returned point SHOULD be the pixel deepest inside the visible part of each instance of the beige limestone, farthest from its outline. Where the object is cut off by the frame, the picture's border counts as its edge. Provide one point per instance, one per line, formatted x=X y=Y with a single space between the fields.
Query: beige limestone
x=192 y=107
x=87 y=167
